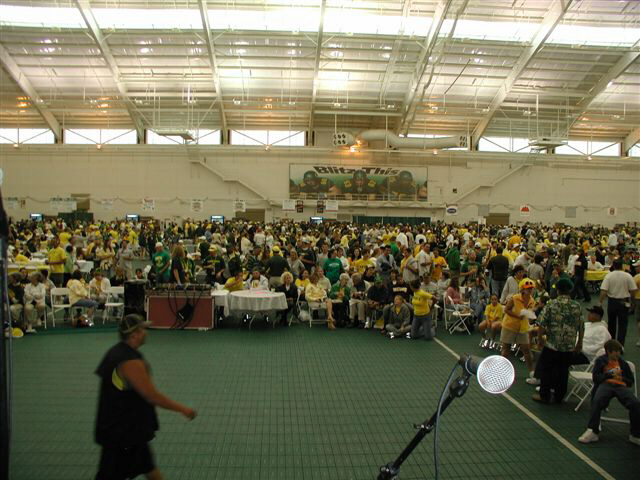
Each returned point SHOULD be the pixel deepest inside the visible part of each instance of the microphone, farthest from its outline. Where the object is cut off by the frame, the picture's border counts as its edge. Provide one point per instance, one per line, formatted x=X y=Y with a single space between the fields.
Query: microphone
x=495 y=373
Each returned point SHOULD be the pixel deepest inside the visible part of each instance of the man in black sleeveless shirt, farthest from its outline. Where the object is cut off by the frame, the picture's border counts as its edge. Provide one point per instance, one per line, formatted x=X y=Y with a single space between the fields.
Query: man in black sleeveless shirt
x=127 y=419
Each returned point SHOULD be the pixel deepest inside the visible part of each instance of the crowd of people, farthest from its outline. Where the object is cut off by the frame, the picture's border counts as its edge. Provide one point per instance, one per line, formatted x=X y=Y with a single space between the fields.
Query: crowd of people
x=520 y=286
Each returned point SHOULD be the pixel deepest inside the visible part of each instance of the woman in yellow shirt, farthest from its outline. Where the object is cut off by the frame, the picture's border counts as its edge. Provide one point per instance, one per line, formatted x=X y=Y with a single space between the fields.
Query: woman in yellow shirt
x=302 y=282
x=492 y=322
x=315 y=294
x=515 y=324
x=421 y=325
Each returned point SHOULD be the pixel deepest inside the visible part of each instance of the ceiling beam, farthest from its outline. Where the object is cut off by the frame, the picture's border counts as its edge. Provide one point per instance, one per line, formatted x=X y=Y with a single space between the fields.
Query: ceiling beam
x=23 y=82
x=316 y=65
x=204 y=15
x=395 y=51
x=630 y=141
x=424 y=58
x=553 y=16
x=84 y=8
x=614 y=72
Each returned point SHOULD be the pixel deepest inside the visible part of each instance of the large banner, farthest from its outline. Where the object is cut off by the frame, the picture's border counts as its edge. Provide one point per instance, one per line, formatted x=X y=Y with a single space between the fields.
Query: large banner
x=358 y=182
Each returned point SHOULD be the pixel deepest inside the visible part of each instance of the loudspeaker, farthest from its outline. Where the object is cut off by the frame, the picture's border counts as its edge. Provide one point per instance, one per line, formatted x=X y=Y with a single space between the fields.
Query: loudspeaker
x=134 y=297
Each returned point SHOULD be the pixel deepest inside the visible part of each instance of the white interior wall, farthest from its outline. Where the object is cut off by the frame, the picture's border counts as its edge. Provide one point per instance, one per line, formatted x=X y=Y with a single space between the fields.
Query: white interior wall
x=172 y=176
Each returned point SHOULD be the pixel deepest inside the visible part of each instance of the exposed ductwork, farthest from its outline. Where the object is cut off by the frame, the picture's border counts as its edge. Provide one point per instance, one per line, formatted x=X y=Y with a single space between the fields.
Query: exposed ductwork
x=345 y=139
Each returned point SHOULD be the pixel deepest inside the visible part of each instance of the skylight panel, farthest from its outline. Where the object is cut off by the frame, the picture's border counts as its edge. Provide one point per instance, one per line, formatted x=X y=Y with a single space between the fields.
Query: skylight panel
x=41 y=17
x=590 y=35
x=166 y=18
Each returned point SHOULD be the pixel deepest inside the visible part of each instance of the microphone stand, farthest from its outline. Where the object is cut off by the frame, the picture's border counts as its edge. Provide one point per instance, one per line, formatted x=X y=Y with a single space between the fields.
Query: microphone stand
x=457 y=389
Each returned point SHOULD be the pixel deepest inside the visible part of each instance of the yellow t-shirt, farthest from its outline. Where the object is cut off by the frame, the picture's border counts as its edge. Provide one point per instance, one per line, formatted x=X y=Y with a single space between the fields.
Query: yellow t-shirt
x=513 y=240
x=64 y=238
x=493 y=314
x=57 y=255
x=515 y=323
x=233 y=285
x=20 y=258
x=132 y=238
x=636 y=294
x=438 y=264
x=362 y=264
x=302 y=283
x=421 y=303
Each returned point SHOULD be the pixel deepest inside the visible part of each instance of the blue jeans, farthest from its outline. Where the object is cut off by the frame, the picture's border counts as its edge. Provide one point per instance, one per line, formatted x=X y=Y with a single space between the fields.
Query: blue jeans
x=421 y=326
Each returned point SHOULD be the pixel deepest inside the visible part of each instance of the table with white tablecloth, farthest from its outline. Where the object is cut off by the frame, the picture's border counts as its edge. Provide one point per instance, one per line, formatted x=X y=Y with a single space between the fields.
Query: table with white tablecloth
x=256 y=301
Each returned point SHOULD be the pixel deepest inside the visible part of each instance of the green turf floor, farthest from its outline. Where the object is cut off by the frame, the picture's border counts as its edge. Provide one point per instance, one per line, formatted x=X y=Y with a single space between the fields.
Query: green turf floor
x=297 y=403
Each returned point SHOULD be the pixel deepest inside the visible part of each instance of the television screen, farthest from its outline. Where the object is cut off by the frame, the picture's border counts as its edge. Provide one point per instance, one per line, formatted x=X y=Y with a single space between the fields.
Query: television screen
x=132 y=217
x=217 y=218
x=317 y=220
x=37 y=217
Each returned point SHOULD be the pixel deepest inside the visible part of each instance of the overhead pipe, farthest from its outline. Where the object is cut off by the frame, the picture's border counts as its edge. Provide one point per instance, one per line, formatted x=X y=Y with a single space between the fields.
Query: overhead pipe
x=347 y=139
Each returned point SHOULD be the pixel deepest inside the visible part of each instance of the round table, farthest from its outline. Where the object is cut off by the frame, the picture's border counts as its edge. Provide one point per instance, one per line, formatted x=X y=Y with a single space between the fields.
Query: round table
x=256 y=301
x=595 y=275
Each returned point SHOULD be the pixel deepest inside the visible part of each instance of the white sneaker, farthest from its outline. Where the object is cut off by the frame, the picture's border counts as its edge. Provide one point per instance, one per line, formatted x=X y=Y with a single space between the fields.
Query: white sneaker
x=589 y=436
x=391 y=335
x=367 y=324
x=532 y=381
x=408 y=335
x=634 y=440
x=30 y=330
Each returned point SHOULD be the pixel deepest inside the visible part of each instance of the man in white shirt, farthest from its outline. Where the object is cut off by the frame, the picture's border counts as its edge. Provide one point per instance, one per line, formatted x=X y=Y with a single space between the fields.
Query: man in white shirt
x=99 y=287
x=256 y=281
x=425 y=260
x=323 y=281
x=617 y=288
x=593 y=264
x=34 y=298
x=595 y=333
x=401 y=239
x=612 y=241
x=259 y=237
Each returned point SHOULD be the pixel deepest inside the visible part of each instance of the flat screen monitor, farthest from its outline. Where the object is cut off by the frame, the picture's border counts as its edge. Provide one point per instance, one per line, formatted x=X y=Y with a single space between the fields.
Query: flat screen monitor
x=36 y=217
x=132 y=217
x=316 y=220
x=217 y=218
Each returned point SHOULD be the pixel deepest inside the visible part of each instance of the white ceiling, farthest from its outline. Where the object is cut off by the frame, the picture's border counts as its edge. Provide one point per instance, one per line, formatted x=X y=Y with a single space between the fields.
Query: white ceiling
x=380 y=63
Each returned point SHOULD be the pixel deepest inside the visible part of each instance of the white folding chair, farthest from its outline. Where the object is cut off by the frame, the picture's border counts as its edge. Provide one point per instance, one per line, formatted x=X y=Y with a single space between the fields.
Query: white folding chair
x=455 y=315
x=583 y=385
x=635 y=391
x=115 y=300
x=59 y=302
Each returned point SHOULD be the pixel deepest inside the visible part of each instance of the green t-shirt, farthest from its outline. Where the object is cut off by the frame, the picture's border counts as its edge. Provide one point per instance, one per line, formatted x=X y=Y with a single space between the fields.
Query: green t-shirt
x=160 y=260
x=332 y=269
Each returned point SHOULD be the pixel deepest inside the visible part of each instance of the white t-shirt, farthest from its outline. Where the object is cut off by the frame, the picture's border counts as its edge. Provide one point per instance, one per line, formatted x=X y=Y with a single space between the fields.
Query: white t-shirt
x=612 y=241
x=401 y=238
x=420 y=237
x=594 y=265
x=595 y=334
x=618 y=284
x=424 y=258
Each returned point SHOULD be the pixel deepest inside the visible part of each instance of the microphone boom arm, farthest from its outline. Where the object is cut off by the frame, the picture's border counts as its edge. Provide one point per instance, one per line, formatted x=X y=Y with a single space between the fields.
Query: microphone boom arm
x=456 y=390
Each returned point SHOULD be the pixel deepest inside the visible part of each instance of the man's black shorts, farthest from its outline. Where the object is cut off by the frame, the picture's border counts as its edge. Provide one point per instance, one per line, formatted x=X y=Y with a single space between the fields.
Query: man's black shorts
x=122 y=463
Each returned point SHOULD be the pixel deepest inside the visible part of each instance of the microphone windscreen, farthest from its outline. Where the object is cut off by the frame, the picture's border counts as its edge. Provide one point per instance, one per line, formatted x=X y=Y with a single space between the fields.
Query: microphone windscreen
x=495 y=374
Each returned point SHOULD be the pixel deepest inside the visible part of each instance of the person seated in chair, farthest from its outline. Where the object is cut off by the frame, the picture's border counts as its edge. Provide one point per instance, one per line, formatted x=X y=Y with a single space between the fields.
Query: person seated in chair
x=98 y=287
x=358 y=301
x=492 y=322
x=316 y=296
x=612 y=377
x=596 y=334
x=79 y=298
x=291 y=294
x=397 y=318
x=340 y=294
x=377 y=298
x=257 y=281
x=235 y=283
x=34 y=302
